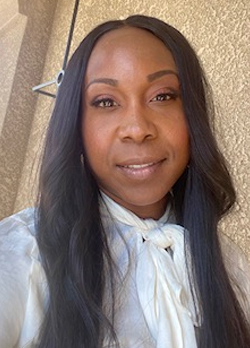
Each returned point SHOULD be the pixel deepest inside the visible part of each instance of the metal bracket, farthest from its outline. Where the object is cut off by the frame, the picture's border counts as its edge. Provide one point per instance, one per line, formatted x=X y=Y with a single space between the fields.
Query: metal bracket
x=59 y=78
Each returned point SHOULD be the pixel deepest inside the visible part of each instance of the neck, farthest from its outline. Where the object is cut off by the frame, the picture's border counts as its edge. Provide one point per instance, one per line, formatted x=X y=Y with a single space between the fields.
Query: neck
x=151 y=211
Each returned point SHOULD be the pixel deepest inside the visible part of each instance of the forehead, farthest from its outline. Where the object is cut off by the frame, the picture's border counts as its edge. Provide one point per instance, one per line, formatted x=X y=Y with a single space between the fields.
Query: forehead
x=129 y=48
x=125 y=34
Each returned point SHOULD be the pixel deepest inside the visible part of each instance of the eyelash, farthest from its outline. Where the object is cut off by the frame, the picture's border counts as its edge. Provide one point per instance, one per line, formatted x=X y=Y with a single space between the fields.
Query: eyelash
x=104 y=103
x=165 y=97
x=109 y=102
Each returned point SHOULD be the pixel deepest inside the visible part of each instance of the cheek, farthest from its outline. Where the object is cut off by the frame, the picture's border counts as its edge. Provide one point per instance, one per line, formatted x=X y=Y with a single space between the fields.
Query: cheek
x=88 y=139
x=178 y=136
x=182 y=141
x=95 y=143
x=183 y=145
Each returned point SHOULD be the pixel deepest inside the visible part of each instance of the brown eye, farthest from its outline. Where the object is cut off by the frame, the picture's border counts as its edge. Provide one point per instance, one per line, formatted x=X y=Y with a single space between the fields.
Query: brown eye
x=104 y=103
x=164 y=97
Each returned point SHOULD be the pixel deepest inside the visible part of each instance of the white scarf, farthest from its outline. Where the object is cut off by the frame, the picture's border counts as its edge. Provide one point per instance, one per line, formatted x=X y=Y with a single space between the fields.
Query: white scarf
x=162 y=280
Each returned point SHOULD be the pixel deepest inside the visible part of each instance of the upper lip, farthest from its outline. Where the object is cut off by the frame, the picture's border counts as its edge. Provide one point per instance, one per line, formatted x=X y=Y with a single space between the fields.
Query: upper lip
x=140 y=161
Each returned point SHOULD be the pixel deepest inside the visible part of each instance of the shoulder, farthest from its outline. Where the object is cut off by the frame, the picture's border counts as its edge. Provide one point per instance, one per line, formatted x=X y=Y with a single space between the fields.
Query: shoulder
x=238 y=269
x=22 y=279
x=18 y=231
x=18 y=246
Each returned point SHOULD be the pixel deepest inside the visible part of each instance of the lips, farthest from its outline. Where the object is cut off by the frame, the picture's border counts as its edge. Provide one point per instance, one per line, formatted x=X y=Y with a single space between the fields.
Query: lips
x=140 y=171
x=138 y=166
x=140 y=162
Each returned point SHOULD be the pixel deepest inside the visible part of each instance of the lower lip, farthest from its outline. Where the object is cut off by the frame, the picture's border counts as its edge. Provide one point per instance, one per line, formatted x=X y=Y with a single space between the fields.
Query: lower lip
x=141 y=173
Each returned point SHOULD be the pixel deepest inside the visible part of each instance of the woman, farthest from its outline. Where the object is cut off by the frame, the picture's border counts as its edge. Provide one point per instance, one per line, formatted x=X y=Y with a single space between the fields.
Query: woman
x=131 y=176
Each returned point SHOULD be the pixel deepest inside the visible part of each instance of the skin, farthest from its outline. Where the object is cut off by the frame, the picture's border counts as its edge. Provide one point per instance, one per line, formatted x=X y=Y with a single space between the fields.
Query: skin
x=133 y=126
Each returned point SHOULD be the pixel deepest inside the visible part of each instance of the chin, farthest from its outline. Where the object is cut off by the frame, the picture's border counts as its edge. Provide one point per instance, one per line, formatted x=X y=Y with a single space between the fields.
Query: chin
x=143 y=204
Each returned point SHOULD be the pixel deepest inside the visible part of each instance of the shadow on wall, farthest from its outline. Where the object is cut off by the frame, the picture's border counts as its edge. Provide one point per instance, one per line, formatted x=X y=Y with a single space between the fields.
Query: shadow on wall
x=24 y=72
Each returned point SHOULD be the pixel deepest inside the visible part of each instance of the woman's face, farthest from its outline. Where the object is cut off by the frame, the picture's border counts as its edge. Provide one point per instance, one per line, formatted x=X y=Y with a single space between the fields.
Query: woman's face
x=133 y=125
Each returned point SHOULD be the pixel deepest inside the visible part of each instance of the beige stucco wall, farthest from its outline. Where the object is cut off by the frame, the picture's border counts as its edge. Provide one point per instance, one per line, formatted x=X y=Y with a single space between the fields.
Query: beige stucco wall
x=12 y=29
x=219 y=32
x=24 y=34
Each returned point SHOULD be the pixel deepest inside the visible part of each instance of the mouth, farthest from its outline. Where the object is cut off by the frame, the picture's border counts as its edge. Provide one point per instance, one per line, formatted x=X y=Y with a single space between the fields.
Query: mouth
x=138 y=166
x=141 y=171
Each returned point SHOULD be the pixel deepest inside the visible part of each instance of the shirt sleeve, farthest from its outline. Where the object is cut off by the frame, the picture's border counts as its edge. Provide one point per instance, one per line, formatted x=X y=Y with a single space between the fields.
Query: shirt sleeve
x=238 y=269
x=22 y=282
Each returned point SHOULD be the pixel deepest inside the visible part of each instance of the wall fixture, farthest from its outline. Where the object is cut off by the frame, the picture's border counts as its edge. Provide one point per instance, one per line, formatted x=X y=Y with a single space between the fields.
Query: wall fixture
x=59 y=78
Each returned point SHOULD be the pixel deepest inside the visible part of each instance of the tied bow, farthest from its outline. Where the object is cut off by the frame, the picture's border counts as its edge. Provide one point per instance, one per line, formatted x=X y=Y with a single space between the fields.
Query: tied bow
x=162 y=280
x=164 y=289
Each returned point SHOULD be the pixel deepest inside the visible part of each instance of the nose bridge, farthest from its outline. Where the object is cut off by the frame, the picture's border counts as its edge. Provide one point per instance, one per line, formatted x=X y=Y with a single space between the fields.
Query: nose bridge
x=136 y=123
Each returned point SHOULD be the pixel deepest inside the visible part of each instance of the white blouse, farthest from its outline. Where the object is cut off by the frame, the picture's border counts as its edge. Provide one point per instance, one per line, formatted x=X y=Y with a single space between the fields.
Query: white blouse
x=153 y=301
x=22 y=282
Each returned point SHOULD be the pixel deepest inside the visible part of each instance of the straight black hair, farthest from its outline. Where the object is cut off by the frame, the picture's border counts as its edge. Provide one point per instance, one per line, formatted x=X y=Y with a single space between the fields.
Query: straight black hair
x=71 y=237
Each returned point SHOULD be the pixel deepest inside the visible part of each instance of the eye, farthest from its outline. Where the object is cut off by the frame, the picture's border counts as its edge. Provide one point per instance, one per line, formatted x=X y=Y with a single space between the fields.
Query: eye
x=164 y=97
x=104 y=103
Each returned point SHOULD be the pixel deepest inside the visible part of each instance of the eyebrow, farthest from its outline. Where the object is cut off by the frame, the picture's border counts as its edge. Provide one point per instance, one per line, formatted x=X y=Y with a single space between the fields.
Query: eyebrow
x=150 y=78
x=161 y=73
x=111 y=82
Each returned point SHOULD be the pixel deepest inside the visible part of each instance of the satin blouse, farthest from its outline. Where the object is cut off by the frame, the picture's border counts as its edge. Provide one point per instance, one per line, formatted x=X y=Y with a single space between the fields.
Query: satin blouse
x=153 y=300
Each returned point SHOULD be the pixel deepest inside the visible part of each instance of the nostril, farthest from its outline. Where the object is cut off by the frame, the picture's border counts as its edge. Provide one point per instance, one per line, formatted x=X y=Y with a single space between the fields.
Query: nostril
x=137 y=131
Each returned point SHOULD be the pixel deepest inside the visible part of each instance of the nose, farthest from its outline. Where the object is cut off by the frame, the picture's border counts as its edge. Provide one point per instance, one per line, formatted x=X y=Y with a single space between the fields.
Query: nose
x=137 y=125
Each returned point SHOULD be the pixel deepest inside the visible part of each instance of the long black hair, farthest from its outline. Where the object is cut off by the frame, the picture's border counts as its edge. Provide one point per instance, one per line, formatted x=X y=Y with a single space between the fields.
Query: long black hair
x=72 y=240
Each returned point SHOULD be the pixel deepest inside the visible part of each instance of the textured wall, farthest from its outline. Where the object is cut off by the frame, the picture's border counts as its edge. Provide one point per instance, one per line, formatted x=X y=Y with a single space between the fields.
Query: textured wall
x=11 y=35
x=23 y=38
x=218 y=31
